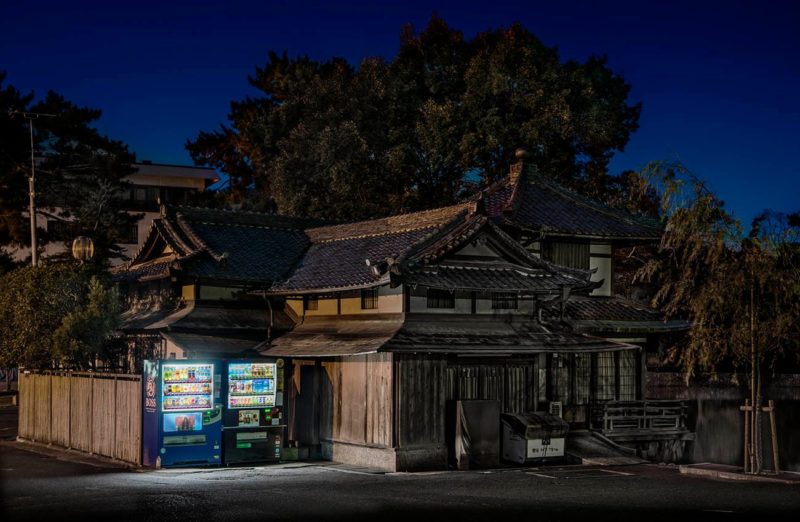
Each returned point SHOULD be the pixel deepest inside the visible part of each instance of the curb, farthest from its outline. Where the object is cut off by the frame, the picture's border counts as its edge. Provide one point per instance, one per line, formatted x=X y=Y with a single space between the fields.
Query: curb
x=68 y=455
x=732 y=474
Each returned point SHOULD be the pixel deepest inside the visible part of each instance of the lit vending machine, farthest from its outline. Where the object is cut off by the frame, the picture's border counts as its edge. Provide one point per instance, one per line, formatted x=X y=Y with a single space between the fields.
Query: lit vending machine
x=182 y=417
x=253 y=419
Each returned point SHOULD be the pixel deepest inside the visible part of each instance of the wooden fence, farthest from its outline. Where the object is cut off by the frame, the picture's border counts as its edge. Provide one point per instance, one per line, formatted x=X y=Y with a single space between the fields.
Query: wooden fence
x=97 y=413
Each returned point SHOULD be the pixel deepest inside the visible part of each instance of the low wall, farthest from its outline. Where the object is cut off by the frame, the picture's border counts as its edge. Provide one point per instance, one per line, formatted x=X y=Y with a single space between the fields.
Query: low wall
x=718 y=423
x=99 y=414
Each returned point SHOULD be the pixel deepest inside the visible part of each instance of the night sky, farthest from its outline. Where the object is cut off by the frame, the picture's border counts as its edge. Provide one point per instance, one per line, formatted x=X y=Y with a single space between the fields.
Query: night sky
x=719 y=81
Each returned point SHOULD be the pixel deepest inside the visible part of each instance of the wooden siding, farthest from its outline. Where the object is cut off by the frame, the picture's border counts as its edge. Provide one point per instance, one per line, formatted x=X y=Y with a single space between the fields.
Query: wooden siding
x=379 y=399
x=347 y=399
x=421 y=392
x=95 y=413
x=59 y=419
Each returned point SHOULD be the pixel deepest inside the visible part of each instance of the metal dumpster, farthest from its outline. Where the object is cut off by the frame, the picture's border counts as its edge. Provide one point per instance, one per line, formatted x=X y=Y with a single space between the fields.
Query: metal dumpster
x=532 y=436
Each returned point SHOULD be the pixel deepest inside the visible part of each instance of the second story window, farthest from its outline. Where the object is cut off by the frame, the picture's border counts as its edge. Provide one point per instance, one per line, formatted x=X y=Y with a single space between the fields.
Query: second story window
x=504 y=301
x=311 y=303
x=369 y=299
x=572 y=255
x=441 y=298
x=131 y=236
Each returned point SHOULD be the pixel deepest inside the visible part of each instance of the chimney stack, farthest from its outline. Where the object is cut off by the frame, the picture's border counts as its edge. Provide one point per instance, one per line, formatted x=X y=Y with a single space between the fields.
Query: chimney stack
x=514 y=173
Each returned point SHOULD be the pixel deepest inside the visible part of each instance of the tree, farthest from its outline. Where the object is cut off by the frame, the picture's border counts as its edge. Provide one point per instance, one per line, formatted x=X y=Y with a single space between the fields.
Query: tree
x=740 y=292
x=79 y=174
x=445 y=110
x=58 y=315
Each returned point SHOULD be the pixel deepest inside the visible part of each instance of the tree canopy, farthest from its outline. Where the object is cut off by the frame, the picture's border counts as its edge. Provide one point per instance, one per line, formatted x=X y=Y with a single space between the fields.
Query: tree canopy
x=58 y=315
x=442 y=118
x=707 y=268
x=79 y=173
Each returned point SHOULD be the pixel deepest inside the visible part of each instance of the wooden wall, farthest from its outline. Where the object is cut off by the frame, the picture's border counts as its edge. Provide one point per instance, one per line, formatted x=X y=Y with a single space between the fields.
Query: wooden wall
x=346 y=399
x=95 y=413
x=356 y=400
x=421 y=392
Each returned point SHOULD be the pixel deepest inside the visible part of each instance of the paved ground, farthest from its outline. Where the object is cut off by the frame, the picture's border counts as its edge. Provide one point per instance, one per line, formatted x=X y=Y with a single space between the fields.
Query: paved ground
x=42 y=487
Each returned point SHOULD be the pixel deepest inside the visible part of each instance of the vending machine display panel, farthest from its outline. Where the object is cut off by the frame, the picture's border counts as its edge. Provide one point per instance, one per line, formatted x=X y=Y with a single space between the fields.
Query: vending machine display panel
x=251 y=384
x=187 y=387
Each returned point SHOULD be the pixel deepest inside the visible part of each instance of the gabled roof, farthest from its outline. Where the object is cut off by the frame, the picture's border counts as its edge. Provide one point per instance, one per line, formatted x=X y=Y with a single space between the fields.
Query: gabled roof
x=233 y=246
x=337 y=256
x=529 y=201
x=409 y=248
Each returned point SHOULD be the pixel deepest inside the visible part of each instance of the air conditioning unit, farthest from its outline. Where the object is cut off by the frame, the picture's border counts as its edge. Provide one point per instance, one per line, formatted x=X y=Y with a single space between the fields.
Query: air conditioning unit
x=556 y=408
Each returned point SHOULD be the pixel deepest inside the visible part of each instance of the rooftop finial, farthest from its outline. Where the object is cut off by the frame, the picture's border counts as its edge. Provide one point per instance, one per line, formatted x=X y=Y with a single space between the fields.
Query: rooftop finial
x=521 y=154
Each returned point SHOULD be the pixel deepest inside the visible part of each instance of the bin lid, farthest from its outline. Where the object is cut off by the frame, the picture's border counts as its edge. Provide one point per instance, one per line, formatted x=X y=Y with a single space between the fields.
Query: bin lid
x=536 y=424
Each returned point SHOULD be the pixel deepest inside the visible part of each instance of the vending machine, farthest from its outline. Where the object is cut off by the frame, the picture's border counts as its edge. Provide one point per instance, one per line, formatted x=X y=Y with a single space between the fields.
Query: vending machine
x=182 y=414
x=252 y=427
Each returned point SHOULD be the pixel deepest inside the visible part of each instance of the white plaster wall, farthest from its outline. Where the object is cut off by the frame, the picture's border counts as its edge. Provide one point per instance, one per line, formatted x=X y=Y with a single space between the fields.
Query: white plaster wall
x=600 y=258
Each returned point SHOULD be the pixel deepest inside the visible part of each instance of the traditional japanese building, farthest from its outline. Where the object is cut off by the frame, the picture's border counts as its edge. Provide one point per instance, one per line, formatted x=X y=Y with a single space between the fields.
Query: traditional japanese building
x=385 y=323
x=195 y=286
x=398 y=317
x=571 y=230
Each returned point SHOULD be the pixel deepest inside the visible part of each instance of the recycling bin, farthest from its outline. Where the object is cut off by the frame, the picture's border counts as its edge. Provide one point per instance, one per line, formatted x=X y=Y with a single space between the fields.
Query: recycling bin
x=533 y=436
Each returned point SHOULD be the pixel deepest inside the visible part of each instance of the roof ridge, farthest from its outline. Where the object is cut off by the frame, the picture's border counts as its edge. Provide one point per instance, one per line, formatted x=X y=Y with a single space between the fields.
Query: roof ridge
x=245 y=225
x=376 y=234
x=193 y=236
x=343 y=227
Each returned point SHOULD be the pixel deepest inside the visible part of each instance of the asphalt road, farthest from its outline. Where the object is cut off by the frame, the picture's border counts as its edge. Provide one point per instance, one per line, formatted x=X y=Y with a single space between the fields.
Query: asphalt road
x=43 y=487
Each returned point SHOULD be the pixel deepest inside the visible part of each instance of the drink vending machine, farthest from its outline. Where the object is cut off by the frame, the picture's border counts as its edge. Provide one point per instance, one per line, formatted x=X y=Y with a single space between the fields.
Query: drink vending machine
x=252 y=427
x=182 y=414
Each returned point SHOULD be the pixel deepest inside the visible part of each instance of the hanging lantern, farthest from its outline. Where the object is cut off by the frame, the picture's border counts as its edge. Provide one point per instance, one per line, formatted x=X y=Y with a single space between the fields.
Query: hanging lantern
x=82 y=248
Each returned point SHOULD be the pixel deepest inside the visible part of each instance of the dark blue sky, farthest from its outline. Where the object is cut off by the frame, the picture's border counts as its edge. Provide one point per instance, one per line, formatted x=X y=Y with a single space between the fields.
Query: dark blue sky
x=719 y=81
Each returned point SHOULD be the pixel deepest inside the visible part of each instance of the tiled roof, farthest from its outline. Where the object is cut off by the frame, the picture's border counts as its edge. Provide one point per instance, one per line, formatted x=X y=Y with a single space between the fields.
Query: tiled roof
x=324 y=337
x=615 y=314
x=493 y=277
x=530 y=201
x=389 y=225
x=339 y=264
x=246 y=253
x=155 y=269
x=249 y=247
x=338 y=255
x=610 y=308
x=479 y=335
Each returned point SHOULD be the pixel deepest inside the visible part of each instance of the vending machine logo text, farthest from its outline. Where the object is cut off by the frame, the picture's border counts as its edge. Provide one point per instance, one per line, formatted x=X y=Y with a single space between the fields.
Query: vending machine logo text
x=150 y=394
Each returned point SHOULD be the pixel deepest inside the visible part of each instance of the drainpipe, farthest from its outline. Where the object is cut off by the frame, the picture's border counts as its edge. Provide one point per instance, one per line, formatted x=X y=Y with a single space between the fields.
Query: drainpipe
x=271 y=317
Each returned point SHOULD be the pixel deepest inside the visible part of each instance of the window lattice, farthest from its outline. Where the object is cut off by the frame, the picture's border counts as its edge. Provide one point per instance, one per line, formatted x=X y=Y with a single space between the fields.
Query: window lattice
x=606 y=376
x=441 y=298
x=504 y=301
x=369 y=299
x=627 y=375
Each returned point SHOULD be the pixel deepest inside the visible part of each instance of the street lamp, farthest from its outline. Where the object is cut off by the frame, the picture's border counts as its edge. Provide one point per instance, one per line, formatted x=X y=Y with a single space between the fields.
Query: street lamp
x=82 y=248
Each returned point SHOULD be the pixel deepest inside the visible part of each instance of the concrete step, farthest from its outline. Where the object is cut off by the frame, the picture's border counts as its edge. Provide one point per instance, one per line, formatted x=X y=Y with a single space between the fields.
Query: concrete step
x=587 y=448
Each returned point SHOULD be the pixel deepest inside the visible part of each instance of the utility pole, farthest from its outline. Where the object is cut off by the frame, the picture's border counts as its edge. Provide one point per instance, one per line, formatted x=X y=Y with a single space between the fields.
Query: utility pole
x=30 y=116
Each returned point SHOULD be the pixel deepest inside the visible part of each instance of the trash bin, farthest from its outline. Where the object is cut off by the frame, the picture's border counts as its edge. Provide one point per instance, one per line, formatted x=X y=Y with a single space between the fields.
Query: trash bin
x=532 y=436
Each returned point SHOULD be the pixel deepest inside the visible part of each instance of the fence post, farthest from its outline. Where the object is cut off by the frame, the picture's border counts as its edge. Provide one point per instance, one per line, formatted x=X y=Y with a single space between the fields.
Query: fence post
x=69 y=412
x=116 y=413
x=50 y=409
x=91 y=414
